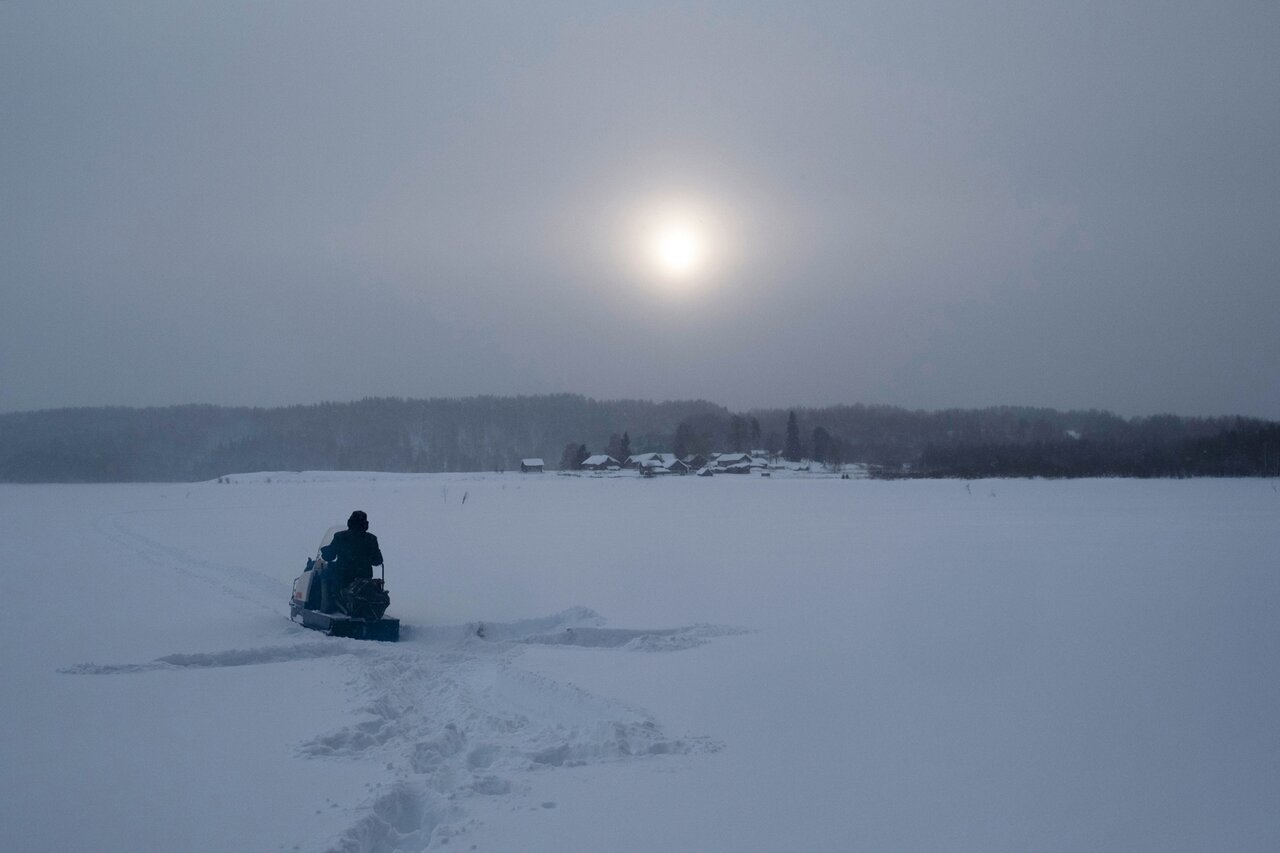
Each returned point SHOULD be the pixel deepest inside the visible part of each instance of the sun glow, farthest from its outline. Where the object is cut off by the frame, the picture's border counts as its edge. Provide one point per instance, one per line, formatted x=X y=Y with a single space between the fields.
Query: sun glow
x=677 y=244
x=678 y=249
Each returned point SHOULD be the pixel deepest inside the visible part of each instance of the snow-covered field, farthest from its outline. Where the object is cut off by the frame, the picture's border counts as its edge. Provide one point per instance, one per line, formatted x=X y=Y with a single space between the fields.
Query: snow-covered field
x=685 y=664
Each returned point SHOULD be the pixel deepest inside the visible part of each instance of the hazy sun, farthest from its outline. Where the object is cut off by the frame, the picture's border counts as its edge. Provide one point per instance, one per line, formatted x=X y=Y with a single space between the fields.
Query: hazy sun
x=678 y=249
x=675 y=244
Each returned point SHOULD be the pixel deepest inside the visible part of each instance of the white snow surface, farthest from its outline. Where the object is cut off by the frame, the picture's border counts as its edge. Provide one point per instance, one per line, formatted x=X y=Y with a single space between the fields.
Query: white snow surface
x=775 y=665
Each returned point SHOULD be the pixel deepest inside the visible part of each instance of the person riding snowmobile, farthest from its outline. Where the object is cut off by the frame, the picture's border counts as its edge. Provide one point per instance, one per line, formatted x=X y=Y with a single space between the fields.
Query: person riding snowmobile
x=351 y=555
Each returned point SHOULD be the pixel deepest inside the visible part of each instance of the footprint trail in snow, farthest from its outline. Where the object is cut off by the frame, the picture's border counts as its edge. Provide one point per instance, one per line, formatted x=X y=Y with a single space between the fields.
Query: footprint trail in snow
x=452 y=717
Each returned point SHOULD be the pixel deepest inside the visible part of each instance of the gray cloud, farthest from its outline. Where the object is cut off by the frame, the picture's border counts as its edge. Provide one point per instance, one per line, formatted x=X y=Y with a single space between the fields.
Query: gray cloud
x=921 y=204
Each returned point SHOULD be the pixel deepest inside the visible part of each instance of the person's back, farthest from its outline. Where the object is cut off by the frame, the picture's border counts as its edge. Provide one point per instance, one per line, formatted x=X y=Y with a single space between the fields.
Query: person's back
x=355 y=552
x=350 y=555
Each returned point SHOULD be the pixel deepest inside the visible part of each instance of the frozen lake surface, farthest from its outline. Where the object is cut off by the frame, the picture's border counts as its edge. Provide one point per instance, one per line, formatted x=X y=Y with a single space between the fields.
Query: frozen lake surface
x=726 y=664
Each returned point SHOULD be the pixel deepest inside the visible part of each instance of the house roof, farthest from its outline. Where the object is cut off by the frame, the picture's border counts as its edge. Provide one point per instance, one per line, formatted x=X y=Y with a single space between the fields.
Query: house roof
x=639 y=458
x=532 y=462
x=599 y=459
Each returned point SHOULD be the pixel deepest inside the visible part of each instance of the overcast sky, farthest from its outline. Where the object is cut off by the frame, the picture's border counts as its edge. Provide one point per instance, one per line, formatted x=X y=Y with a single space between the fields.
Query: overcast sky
x=1071 y=204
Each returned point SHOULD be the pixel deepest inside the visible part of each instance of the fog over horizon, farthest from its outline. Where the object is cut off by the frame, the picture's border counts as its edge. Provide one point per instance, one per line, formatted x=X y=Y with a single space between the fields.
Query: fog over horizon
x=925 y=205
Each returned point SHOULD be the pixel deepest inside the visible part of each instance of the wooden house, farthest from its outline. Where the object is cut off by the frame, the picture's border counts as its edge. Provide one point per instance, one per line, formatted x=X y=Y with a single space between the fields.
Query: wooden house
x=600 y=462
x=636 y=460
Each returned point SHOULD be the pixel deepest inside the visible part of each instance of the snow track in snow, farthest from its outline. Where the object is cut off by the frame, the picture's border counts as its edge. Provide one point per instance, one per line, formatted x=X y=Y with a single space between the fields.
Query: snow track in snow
x=238 y=582
x=453 y=717
x=233 y=657
x=668 y=640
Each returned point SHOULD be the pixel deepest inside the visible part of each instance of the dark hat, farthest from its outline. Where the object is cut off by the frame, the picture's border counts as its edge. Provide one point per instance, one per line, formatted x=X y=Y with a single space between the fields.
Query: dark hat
x=358 y=521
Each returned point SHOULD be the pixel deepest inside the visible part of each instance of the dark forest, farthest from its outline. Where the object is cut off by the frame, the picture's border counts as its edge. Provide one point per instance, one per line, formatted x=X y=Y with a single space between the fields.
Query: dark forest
x=191 y=443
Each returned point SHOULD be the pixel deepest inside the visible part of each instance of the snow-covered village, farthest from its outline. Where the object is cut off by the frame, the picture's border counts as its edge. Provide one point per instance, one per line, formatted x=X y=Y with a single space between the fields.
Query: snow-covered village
x=759 y=462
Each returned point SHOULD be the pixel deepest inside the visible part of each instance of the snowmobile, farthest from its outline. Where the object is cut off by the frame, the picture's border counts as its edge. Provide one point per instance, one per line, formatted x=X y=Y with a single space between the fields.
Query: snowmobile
x=361 y=603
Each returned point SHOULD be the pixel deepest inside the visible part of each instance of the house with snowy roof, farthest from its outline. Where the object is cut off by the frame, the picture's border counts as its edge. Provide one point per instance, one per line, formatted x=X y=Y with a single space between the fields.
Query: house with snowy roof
x=724 y=460
x=735 y=463
x=600 y=462
x=635 y=460
x=752 y=459
x=531 y=466
x=652 y=467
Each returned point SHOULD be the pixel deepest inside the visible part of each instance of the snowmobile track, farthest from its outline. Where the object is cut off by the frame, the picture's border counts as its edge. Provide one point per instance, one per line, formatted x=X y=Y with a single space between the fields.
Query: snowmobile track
x=453 y=717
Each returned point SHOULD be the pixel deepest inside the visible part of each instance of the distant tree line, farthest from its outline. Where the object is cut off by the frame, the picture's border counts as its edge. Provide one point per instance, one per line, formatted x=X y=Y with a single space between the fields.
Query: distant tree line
x=1245 y=450
x=184 y=443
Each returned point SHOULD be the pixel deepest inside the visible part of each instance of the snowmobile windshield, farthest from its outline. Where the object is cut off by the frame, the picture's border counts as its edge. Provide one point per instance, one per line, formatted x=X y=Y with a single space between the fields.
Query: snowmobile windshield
x=328 y=537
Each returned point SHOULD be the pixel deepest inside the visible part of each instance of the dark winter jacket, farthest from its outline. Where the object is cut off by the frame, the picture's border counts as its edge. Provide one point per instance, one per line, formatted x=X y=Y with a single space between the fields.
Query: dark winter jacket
x=353 y=553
